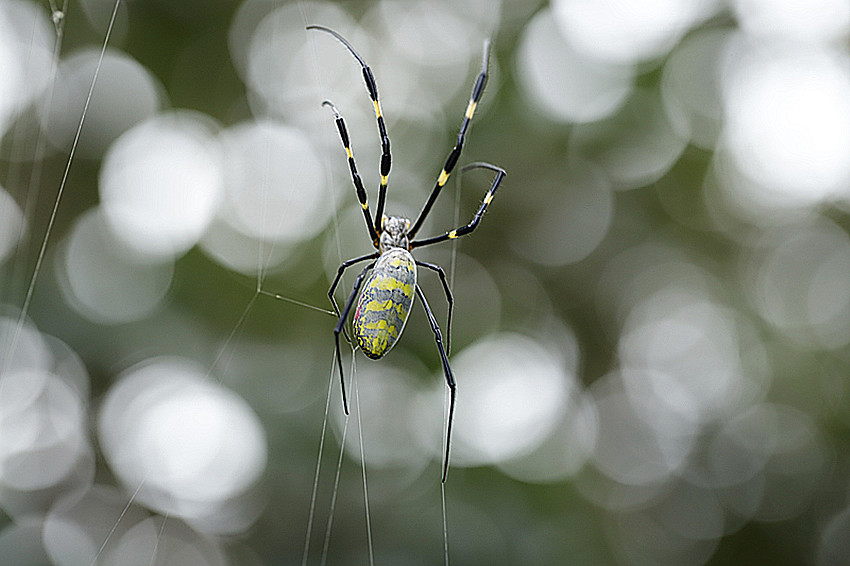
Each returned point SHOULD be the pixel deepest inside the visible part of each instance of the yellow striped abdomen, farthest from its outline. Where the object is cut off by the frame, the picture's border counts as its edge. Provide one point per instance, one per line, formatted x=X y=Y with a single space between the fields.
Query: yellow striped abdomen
x=385 y=302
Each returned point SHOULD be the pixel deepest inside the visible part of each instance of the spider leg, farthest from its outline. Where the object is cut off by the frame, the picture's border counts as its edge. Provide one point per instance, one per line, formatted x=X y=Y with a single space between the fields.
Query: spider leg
x=355 y=177
x=454 y=155
x=341 y=322
x=450 y=380
x=464 y=230
x=449 y=299
x=345 y=265
x=372 y=88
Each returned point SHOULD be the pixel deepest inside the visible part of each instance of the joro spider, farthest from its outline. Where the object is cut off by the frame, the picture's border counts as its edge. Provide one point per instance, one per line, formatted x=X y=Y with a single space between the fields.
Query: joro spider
x=387 y=296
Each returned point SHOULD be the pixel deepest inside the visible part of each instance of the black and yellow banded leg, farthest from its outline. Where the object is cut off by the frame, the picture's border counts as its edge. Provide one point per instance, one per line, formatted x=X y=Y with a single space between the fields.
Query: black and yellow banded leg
x=450 y=380
x=449 y=299
x=454 y=155
x=338 y=328
x=372 y=88
x=355 y=177
x=464 y=230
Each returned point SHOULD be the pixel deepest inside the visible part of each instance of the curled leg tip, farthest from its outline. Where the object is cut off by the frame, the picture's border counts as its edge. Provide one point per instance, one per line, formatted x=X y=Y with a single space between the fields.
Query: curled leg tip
x=330 y=105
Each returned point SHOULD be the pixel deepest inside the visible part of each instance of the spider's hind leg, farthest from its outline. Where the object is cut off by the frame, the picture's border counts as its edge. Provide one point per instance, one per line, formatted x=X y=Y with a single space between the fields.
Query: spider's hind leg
x=341 y=322
x=450 y=380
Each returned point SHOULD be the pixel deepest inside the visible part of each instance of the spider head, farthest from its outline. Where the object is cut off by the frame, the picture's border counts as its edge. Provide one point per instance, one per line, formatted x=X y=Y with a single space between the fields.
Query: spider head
x=394 y=233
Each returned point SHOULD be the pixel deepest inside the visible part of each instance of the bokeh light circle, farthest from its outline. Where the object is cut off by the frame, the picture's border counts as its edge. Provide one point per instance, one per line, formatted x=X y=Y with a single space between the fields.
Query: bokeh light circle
x=627 y=31
x=689 y=347
x=106 y=282
x=275 y=186
x=287 y=86
x=125 y=94
x=45 y=451
x=564 y=84
x=193 y=445
x=796 y=279
x=44 y=437
x=567 y=448
x=787 y=123
x=161 y=183
x=569 y=229
x=643 y=439
x=635 y=147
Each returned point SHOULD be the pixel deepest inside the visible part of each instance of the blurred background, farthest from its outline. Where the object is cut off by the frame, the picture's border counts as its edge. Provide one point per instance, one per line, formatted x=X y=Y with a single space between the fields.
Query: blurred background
x=651 y=324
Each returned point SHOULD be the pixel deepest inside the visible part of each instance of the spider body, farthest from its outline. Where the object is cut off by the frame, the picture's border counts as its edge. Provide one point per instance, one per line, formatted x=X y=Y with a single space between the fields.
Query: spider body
x=385 y=302
x=387 y=294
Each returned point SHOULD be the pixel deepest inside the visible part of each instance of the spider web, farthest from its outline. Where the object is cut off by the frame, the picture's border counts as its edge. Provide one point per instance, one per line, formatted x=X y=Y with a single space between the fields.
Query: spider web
x=219 y=366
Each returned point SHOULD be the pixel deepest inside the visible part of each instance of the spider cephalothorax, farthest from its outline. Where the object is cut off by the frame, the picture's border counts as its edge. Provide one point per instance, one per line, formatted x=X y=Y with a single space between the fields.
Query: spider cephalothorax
x=394 y=233
x=387 y=294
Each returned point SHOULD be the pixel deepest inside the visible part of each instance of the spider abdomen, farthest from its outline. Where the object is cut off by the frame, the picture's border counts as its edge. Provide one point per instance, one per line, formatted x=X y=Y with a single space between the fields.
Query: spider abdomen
x=385 y=302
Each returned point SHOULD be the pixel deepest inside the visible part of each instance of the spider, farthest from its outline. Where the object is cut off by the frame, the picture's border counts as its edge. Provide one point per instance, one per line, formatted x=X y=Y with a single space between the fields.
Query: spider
x=388 y=293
